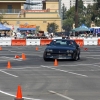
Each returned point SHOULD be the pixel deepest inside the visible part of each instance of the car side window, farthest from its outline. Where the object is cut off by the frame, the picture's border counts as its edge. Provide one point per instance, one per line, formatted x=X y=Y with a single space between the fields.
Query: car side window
x=70 y=43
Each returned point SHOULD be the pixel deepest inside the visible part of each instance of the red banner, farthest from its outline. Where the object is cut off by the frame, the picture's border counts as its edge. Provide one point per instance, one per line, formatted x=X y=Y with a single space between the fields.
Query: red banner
x=27 y=26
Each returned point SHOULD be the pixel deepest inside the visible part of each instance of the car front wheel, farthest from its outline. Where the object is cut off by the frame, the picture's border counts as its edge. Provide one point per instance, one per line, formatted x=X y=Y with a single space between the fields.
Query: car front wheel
x=45 y=59
x=76 y=57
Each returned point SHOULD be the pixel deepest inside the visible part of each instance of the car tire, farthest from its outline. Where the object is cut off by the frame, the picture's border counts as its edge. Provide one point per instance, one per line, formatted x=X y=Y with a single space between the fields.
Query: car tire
x=76 y=57
x=45 y=59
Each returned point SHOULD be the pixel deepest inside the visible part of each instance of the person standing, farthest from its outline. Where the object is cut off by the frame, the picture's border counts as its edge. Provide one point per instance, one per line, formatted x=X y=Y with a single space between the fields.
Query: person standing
x=15 y=35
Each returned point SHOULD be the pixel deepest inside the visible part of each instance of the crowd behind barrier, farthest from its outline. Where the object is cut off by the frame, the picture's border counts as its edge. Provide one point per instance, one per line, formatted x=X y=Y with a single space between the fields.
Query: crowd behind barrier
x=24 y=42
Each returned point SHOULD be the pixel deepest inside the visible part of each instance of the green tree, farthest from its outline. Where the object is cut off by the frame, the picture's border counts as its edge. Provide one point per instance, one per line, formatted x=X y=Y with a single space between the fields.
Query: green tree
x=70 y=13
x=67 y=24
x=70 y=16
x=64 y=12
x=69 y=20
x=97 y=4
x=52 y=27
x=85 y=16
x=81 y=13
x=96 y=13
x=80 y=7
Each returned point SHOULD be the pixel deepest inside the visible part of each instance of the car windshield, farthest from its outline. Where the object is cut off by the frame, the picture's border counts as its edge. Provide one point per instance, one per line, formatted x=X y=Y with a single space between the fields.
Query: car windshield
x=63 y=43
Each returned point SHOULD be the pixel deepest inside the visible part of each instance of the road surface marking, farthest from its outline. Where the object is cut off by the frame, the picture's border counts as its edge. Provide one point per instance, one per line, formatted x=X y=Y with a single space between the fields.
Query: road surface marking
x=92 y=57
x=8 y=73
x=93 y=64
x=20 y=68
x=68 y=98
x=11 y=58
x=77 y=65
x=14 y=51
x=65 y=71
x=15 y=96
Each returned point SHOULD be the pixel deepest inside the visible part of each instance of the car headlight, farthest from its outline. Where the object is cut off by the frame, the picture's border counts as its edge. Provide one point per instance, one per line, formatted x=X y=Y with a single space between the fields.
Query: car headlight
x=49 y=50
x=69 y=51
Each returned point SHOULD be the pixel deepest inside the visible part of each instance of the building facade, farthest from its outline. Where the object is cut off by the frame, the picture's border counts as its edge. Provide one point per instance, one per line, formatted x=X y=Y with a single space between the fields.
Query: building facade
x=14 y=13
x=37 y=4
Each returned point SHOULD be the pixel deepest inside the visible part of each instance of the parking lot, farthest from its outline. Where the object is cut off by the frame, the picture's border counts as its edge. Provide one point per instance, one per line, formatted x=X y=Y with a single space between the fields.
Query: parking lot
x=40 y=80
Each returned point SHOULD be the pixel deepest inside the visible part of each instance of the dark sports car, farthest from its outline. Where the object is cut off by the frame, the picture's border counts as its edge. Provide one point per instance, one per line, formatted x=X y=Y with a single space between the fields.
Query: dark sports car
x=62 y=49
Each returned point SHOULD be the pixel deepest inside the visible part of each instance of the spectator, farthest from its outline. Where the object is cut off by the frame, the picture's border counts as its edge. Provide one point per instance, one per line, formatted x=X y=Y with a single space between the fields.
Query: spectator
x=51 y=35
x=63 y=36
x=5 y=34
x=15 y=35
x=0 y=34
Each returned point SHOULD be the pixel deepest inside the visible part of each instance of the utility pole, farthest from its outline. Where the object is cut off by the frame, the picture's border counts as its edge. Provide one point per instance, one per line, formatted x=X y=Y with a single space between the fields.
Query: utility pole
x=76 y=14
x=60 y=12
x=60 y=7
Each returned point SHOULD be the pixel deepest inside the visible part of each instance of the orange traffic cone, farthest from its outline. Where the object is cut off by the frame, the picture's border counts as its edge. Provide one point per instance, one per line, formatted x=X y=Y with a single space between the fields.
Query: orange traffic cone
x=36 y=49
x=0 y=48
x=8 y=65
x=23 y=56
x=55 y=62
x=16 y=56
x=19 y=93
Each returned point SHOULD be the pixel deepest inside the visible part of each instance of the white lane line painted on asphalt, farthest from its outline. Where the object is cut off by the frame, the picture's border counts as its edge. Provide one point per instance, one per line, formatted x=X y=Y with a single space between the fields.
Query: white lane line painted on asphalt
x=49 y=70
x=14 y=51
x=66 y=97
x=86 y=65
x=8 y=73
x=20 y=68
x=4 y=60
x=26 y=54
x=11 y=58
x=36 y=54
x=82 y=64
x=77 y=65
x=90 y=55
x=65 y=71
x=90 y=51
x=92 y=58
x=21 y=52
x=15 y=96
x=84 y=70
x=97 y=65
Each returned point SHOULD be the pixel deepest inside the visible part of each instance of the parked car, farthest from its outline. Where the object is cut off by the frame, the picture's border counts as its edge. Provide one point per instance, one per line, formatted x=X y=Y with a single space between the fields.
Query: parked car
x=62 y=49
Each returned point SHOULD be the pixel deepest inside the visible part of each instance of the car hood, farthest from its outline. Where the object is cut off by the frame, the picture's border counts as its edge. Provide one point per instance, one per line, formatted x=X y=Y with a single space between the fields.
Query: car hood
x=61 y=47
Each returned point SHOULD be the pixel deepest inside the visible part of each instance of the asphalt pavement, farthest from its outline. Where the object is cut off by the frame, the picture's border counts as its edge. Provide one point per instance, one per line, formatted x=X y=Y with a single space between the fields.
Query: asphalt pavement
x=40 y=80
